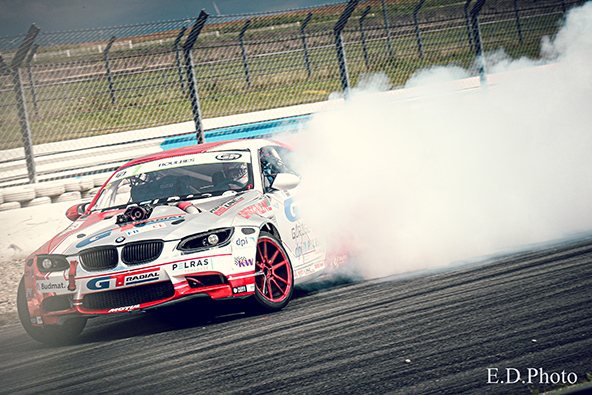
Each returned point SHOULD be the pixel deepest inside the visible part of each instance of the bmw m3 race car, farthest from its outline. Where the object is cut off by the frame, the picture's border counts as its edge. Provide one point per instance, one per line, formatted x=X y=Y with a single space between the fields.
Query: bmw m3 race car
x=216 y=219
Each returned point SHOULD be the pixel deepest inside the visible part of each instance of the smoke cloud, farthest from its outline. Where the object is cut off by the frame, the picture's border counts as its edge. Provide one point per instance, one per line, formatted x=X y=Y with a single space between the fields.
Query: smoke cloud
x=414 y=184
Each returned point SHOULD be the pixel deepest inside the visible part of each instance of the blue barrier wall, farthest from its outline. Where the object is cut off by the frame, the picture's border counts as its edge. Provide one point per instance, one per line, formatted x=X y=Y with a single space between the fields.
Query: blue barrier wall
x=244 y=131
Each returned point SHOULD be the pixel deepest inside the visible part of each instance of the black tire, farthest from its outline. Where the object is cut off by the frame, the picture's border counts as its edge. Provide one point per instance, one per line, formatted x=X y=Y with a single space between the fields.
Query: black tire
x=48 y=334
x=274 y=277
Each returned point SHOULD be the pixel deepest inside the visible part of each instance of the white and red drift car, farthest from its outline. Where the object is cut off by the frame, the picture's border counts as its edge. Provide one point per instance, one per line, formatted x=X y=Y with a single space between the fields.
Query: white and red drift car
x=216 y=219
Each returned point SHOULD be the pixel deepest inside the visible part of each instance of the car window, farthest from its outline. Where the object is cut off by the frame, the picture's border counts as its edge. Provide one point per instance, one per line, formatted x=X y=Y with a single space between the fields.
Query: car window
x=275 y=160
x=192 y=176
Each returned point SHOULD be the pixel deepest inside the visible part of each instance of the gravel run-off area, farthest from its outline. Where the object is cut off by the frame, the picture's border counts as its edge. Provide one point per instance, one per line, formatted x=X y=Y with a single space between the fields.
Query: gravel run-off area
x=10 y=275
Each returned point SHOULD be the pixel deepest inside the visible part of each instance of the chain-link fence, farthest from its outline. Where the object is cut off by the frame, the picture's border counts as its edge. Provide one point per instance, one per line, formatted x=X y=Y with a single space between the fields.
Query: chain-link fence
x=63 y=87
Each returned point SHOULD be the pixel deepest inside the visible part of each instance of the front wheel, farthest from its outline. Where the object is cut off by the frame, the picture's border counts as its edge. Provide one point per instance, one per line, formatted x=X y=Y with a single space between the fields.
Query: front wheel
x=274 y=278
x=49 y=334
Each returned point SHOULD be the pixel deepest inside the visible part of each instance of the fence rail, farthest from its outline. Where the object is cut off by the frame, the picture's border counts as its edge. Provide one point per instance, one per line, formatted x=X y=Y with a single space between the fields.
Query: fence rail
x=65 y=86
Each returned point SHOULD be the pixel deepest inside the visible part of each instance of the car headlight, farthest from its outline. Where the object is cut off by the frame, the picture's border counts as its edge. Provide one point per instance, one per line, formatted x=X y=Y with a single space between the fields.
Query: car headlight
x=51 y=263
x=203 y=241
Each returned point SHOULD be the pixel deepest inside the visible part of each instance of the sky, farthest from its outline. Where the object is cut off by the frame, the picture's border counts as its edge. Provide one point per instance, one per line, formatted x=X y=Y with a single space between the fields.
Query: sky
x=16 y=16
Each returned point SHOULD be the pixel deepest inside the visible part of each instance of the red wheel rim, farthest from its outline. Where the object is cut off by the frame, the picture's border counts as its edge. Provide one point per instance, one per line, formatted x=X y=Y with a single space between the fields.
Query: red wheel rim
x=273 y=277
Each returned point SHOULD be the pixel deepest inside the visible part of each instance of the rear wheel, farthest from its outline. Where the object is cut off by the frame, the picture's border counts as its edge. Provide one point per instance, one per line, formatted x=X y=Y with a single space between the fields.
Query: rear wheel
x=274 y=278
x=49 y=334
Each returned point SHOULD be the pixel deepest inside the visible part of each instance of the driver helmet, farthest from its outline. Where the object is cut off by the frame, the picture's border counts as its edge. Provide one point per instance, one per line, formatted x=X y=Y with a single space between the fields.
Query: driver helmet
x=237 y=172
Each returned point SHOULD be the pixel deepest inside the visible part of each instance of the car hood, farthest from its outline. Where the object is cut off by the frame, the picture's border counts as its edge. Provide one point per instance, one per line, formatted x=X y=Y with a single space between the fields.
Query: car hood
x=166 y=222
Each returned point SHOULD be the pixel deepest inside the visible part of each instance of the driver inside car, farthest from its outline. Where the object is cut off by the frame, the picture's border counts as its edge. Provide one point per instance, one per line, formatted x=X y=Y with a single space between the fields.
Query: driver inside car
x=234 y=176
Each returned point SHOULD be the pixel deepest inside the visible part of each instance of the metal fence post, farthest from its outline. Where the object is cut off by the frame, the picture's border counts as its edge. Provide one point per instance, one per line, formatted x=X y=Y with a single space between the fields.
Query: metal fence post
x=417 y=30
x=478 y=43
x=21 y=103
x=31 y=80
x=178 y=58
x=191 y=80
x=468 y=20
x=304 y=45
x=108 y=68
x=363 y=37
x=387 y=29
x=518 y=25
x=338 y=29
x=244 y=53
x=21 y=100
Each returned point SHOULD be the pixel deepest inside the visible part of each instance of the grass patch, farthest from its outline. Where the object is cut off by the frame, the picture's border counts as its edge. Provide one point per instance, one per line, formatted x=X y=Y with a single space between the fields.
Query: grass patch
x=73 y=98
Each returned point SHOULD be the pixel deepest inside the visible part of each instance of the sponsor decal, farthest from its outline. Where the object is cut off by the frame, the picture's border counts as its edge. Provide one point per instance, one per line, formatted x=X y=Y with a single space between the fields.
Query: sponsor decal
x=176 y=162
x=194 y=265
x=309 y=269
x=221 y=209
x=123 y=279
x=239 y=290
x=291 y=210
x=29 y=292
x=243 y=289
x=228 y=156
x=120 y=174
x=299 y=231
x=123 y=309
x=304 y=272
x=242 y=261
x=99 y=283
x=244 y=242
x=91 y=240
x=339 y=260
x=145 y=228
x=305 y=247
x=157 y=222
x=259 y=208
x=301 y=236
x=141 y=278
x=46 y=286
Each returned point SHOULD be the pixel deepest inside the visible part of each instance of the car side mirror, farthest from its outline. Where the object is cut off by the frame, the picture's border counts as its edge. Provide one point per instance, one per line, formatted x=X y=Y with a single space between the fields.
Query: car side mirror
x=285 y=181
x=74 y=212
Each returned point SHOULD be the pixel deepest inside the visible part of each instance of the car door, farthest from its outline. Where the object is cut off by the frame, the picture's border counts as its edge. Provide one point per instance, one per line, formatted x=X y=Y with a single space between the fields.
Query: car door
x=296 y=234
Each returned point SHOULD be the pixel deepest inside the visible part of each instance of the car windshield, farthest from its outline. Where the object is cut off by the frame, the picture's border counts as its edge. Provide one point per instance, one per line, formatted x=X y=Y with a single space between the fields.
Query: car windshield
x=187 y=177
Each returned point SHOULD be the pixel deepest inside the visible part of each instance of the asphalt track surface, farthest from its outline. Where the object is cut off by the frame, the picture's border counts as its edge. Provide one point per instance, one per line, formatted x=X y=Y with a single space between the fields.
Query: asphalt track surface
x=428 y=334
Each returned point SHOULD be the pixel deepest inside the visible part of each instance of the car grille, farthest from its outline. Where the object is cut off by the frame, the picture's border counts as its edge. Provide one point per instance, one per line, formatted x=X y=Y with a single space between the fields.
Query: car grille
x=141 y=252
x=101 y=258
x=128 y=296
